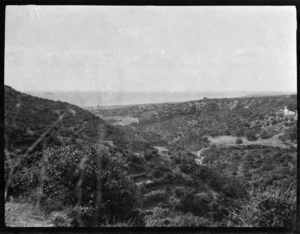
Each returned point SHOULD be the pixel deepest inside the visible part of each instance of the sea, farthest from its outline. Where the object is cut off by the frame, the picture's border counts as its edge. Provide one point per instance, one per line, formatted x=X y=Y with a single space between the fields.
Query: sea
x=106 y=98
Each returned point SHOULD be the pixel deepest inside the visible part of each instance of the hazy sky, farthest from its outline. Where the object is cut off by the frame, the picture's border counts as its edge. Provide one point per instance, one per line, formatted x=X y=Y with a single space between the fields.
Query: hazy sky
x=150 y=48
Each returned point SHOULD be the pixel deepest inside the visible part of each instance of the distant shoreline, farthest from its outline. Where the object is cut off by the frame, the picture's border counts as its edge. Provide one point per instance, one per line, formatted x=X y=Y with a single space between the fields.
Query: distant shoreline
x=106 y=99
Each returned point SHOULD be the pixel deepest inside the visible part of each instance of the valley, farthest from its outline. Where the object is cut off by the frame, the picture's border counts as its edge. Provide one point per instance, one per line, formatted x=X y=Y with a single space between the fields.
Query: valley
x=151 y=116
x=220 y=134
x=192 y=163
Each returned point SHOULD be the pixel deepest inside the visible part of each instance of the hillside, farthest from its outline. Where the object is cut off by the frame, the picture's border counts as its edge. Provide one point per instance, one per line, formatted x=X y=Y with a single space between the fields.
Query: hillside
x=187 y=123
x=27 y=118
x=252 y=140
x=135 y=173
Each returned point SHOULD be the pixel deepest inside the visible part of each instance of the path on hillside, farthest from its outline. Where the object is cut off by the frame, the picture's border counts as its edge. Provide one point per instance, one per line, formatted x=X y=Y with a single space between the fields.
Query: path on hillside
x=200 y=158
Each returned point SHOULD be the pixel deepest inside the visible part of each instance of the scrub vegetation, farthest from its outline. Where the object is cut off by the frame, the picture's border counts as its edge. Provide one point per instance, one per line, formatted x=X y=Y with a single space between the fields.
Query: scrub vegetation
x=227 y=162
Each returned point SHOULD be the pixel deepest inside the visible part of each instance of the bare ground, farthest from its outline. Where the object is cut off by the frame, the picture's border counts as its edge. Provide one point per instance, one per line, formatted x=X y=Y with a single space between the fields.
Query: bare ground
x=19 y=214
x=231 y=140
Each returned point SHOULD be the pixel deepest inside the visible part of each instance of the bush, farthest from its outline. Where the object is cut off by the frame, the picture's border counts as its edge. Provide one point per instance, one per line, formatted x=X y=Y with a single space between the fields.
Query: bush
x=60 y=219
x=155 y=197
x=71 y=177
x=150 y=154
x=135 y=159
x=165 y=218
x=251 y=135
x=265 y=134
x=293 y=133
x=239 y=141
x=205 y=139
x=160 y=171
x=239 y=132
x=194 y=204
x=204 y=173
x=179 y=192
x=271 y=207
x=170 y=178
x=185 y=167
x=292 y=106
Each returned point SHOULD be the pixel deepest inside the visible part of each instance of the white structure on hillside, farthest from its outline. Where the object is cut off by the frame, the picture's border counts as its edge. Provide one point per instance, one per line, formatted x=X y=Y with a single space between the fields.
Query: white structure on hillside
x=287 y=112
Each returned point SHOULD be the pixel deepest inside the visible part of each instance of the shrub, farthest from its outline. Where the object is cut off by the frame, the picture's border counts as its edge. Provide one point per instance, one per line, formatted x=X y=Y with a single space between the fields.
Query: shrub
x=60 y=219
x=179 y=192
x=116 y=223
x=202 y=172
x=293 y=133
x=185 y=167
x=265 y=134
x=194 y=204
x=165 y=218
x=274 y=121
x=160 y=171
x=71 y=177
x=205 y=139
x=155 y=197
x=170 y=178
x=150 y=154
x=271 y=207
x=239 y=132
x=135 y=159
x=239 y=141
x=292 y=106
x=251 y=135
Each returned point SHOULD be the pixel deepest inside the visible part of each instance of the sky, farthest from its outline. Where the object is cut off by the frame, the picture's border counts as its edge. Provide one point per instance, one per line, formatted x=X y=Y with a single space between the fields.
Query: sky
x=151 y=48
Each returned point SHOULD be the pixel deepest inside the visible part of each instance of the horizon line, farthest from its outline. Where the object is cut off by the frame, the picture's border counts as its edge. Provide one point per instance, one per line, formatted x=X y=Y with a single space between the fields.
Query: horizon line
x=158 y=91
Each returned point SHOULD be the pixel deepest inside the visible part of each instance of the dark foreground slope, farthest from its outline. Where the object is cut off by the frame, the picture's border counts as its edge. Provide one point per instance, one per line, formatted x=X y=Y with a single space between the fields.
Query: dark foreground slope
x=61 y=156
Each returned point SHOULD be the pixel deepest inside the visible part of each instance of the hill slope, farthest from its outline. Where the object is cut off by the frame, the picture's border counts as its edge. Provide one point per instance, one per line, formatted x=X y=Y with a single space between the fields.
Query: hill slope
x=187 y=123
x=165 y=169
x=28 y=118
